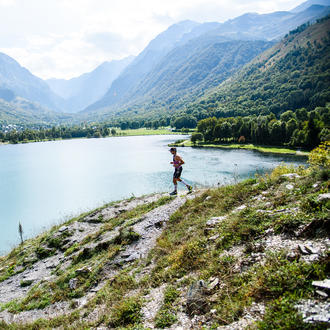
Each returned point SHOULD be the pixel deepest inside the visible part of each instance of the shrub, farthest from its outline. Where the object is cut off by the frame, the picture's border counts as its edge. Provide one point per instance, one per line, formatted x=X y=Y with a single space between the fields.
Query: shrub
x=320 y=156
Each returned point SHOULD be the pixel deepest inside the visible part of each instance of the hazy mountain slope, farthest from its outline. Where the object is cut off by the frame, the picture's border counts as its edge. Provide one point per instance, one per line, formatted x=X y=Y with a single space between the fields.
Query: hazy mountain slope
x=139 y=80
x=188 y=70
x=294 y=73
x=25 y=113
x=309 y=3
x=23 y=83
x=145 y=61
x=269 y=26
x=81 y=91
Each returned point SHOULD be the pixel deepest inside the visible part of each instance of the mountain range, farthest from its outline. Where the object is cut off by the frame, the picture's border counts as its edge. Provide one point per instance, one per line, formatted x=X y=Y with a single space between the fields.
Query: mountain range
x=178 y=67
x=86 y=89
x=125 y=90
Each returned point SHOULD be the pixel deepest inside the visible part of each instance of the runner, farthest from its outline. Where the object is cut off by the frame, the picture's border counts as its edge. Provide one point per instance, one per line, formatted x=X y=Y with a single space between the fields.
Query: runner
x=177 y=164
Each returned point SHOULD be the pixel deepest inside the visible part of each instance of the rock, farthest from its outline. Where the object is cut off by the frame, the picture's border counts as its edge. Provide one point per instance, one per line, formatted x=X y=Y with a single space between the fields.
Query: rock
x=208 y=198
x=215 y=220
x=293 y=255
x=322 y=294
x=289 y=186
x=83 y=271
x=214 y=237
x=214 y=283
x=63 y=228
x=240 y=208
x=314 y=311
x=323 y=197
x=290 y=176
x=196 y=300
x=73 y=283
x=132 y=257
x=311 y=250
x=302 y=249
x=325 y=284
x=207 y=230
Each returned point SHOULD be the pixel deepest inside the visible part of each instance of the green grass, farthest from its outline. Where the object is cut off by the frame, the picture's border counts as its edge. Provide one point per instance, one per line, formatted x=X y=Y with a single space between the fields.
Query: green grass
x=265 y=149
x=145 y=131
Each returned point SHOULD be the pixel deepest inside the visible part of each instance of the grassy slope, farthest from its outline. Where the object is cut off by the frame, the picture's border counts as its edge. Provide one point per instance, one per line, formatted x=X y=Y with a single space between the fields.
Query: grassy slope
x=186 y=251
x=266 y=149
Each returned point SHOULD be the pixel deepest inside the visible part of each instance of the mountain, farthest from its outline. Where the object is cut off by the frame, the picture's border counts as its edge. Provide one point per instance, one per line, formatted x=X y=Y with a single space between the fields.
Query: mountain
x=309 y=3
x=16 y=80
x=145 y=61
x=81 y=91
x=154 y=72
x=293 y=74
x=26 y=113
x=269 y=26
x=187 y=71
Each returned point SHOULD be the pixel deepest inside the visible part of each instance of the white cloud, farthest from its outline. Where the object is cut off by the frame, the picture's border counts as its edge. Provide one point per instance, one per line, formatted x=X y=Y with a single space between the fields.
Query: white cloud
x=67 y=38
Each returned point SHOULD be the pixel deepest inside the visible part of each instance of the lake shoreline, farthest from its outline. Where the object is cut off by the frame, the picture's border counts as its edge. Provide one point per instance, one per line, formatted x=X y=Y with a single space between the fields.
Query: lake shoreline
x=130 y=132
x=259 y=148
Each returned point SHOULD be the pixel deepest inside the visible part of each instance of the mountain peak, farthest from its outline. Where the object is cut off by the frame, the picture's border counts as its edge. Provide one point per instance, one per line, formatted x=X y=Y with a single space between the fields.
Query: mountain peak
x=305 y=5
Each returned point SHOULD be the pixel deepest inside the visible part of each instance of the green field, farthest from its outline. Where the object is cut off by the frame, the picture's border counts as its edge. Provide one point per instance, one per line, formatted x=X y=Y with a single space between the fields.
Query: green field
x=267 y=149
x=145 y=131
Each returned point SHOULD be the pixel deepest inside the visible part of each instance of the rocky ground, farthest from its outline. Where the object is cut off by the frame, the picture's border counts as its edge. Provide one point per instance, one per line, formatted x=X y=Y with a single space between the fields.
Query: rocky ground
x=118 y=243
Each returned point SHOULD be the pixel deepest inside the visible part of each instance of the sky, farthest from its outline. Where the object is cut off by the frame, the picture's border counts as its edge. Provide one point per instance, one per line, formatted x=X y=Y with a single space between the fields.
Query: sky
x=66 y=38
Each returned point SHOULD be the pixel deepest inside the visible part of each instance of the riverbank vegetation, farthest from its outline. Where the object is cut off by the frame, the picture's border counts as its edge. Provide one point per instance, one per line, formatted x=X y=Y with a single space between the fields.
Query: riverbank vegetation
x=245 y=254
x=65 y=133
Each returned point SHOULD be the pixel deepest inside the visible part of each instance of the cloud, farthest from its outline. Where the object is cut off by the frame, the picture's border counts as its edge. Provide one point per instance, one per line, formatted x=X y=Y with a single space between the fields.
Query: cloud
x=66 y=38
x=108 y=42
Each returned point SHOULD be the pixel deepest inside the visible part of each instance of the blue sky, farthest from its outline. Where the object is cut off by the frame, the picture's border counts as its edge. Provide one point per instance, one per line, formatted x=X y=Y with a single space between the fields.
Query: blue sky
x=65 y=38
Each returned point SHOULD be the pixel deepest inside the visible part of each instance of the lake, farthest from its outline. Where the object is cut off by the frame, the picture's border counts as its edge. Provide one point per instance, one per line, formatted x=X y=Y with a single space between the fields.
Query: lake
x=45 y=183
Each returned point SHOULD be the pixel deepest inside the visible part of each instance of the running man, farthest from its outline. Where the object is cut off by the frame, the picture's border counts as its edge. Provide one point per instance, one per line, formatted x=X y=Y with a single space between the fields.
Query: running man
x=177 y=164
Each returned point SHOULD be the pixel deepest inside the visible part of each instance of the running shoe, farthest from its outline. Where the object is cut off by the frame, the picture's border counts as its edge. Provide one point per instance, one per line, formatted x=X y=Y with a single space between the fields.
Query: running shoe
x=173 y=193
x=190 y=189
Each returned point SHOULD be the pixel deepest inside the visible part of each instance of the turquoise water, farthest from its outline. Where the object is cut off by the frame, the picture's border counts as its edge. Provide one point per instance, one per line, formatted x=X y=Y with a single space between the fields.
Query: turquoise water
x=42 y=184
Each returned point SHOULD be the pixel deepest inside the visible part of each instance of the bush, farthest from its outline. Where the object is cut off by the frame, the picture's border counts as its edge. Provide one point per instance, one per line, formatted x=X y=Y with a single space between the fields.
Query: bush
x=127 y=312
x=320 y=156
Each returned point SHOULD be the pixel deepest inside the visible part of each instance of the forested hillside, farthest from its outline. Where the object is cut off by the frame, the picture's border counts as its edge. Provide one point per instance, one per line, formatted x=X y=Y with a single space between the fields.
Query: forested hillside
x=294 y=73
x=190 y=69
x=25 y=113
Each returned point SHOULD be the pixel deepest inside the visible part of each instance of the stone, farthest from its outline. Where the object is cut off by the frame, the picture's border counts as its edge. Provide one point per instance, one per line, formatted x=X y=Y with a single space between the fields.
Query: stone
x=215 y=220
x=323 y=197
x=73 y=283
x=322 y=294
x=303 y=249
x=325 y=284
x=132 y=257
x=311 y=250
x=63 y=228
x=208 y=198
x=290 y=176
x=214 y=237
x=240 y=208
x=289 y=187
x=82 y=271
x=196 y=302
x=214 y=283
x=207 y=230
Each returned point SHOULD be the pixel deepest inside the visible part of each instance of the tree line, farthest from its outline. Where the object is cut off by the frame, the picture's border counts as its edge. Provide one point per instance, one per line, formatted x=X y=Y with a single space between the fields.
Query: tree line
x=295 y=129
x=53 y=133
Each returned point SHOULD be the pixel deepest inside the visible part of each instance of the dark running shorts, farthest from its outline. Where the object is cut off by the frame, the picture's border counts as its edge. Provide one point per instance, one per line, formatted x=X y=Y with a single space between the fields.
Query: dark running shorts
x=177 y=172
